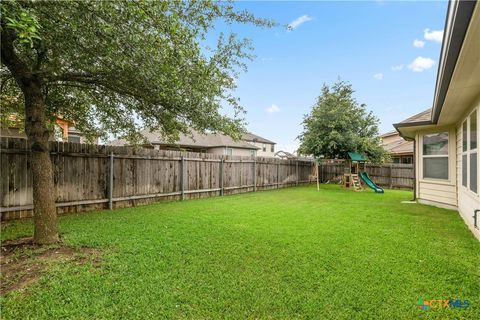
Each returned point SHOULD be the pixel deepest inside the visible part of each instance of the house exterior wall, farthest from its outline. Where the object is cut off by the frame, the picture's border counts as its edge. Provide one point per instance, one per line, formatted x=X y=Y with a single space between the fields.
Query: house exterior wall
x=404 y=159
x=468 y=201
x=12 y=133
x=451 y=193
x=400 y=150
x=268 y=147
x=235 y=151
x=215 y=150
x=62 y=132
x=442 y=193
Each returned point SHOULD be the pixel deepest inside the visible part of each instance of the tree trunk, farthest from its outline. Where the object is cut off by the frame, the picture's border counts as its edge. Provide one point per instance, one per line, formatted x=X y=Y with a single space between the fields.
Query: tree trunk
x=44 y=212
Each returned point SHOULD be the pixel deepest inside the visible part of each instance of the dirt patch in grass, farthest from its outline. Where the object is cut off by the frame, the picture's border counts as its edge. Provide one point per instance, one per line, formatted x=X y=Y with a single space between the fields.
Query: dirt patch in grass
x=22 y=262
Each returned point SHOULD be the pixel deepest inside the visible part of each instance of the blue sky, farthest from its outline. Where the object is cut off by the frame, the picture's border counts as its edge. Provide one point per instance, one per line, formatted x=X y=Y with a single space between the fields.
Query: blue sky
x=370 y=44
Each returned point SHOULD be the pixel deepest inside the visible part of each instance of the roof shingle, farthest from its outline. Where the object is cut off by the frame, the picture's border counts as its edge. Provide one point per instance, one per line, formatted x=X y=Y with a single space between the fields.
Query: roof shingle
x=254 y=138
x=195 y=139
x=423 y=116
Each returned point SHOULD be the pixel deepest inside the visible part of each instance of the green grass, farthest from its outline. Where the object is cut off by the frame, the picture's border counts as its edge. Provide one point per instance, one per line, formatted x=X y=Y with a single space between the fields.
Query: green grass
x=289 y=253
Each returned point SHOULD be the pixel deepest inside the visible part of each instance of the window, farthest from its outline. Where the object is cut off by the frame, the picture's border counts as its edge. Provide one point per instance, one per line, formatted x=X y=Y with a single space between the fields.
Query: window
x=272 y=148
x=473 y=131
x=253 y=153
x=229 y=151
x=74 y=139
x=470 y=152
x=58 y=133
x=435 y=156
x=264 y=147
x=407 y=160
x=473 y=151
x=473 y=172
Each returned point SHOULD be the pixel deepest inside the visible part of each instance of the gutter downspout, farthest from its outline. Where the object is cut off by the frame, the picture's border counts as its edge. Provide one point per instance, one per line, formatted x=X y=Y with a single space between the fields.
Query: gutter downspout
x=414 y=170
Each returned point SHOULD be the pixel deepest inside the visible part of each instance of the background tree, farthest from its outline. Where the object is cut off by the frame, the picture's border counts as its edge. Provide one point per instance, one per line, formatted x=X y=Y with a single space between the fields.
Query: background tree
x=338 y=124
x=110 y=65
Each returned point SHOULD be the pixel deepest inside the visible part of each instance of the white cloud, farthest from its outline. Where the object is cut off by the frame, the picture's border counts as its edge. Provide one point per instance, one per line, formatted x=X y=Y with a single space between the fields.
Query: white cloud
x=397 y=67
x=418 y=43
x=299 y=21
x=421 y=64
x=434 y=35
x=378 y=76
x=273 y=109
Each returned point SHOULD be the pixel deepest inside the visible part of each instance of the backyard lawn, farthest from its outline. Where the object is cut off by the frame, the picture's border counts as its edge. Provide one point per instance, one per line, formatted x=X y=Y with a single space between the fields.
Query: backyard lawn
x=288 y=253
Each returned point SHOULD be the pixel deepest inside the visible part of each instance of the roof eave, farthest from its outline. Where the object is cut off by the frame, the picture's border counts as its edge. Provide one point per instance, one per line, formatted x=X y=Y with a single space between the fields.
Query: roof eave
x=404 y=125
x=457 y=21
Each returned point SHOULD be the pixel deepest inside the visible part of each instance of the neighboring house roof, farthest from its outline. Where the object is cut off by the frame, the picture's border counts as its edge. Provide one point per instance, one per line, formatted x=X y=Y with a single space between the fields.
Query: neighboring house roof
x=389 y=133
x=399 y=147
x=196 y=139
x=254 y=138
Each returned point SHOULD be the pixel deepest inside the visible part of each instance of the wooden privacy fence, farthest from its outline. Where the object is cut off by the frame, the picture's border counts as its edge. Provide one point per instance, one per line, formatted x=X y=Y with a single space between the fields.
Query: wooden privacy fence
x=391 y=176
x=89 y=177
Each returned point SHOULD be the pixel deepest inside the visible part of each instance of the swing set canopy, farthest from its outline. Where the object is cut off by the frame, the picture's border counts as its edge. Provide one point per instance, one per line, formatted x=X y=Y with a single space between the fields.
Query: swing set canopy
x=356 y=157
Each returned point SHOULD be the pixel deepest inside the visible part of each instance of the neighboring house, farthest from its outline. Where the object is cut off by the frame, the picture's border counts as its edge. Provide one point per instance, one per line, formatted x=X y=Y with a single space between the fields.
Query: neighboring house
x=447 y=137
x=266 y=147
x=401 y=150
x=285 y=155
x=197 y=142
x=290 y=156
x=64 y=131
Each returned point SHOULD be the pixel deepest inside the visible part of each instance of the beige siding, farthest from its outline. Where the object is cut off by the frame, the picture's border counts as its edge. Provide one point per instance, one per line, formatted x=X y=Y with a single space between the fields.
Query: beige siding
x=260 y=152
x=467 y=200
x=438 y=192
x=235 y=151
x=450 y=193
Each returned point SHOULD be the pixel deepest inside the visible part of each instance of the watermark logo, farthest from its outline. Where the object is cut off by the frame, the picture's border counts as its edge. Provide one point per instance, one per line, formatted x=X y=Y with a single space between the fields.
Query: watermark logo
x=442 y=304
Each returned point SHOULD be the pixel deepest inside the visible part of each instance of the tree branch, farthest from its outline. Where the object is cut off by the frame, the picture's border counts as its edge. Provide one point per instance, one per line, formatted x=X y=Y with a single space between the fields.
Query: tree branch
x=18 y=68
x=96 y=81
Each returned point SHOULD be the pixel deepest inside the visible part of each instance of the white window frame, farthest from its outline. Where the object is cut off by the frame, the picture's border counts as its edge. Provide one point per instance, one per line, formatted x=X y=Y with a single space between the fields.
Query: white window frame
x=229 y=150
x=468 y=152
x=464 y=153
x=74 y=136
x=436 y=156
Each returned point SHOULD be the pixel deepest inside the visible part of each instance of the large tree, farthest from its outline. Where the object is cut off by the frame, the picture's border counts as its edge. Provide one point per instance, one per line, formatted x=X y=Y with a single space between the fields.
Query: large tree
x=338 y=124
x=110 y=66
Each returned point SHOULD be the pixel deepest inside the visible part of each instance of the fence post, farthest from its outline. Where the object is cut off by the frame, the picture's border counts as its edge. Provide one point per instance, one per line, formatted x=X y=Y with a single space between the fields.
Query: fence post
x=321 y=172
x=296 y=172
x=390 y=177
x=254 y=174
x=278 y=177
x=110 y=182
x=221 y=176
x=183 y=176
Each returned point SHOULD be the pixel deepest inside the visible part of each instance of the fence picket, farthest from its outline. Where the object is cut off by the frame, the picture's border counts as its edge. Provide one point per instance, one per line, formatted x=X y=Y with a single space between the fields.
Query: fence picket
x=90 y=177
